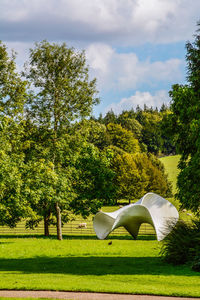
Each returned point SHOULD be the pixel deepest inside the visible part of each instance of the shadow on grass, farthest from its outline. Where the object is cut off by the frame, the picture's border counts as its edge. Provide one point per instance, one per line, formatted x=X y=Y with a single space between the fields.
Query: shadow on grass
x=2 y=243
x=94 y=266
x=78 y=237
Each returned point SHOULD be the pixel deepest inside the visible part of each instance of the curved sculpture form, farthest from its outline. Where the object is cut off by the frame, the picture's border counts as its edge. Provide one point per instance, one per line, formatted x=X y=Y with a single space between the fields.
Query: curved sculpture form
x=151 y=208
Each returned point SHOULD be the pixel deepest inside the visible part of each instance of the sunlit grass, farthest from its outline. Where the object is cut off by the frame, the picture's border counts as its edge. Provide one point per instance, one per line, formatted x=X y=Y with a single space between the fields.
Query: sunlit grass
x=125 y=266
x=171 y=168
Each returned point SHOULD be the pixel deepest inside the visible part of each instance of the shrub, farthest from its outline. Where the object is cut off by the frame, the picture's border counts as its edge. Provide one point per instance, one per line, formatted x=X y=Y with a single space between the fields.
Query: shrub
x=182 y=245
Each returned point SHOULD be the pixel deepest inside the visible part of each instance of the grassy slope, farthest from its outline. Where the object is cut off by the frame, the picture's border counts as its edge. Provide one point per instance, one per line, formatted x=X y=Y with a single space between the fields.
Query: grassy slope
x=171 y=163
x=92 y=265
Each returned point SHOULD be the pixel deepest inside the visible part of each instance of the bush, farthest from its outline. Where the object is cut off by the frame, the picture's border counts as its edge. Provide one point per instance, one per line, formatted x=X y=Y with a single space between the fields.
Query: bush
x=182 y=245
x=196 y=265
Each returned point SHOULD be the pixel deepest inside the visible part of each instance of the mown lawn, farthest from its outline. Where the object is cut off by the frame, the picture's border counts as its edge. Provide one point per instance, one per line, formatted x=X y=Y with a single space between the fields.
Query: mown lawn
x=87 y=264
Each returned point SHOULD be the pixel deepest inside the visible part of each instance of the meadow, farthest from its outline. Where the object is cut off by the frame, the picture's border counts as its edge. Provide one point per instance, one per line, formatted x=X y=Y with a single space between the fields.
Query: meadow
x=83 y=263
x=170 y=164
x=88 y=264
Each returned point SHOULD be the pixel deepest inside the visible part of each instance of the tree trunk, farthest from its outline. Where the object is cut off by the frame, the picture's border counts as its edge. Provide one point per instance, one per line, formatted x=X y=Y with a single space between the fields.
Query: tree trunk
x=59 y=228
x=46 y=225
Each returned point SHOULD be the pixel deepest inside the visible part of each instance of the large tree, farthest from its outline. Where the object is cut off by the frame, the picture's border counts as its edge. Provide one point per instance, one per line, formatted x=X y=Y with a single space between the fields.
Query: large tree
x=137 y=174
x=185 y=126
x=13 y=96
x=62 y=93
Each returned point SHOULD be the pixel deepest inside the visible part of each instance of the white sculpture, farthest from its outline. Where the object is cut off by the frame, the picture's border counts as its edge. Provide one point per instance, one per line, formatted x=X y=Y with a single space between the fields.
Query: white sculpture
x=151 y=208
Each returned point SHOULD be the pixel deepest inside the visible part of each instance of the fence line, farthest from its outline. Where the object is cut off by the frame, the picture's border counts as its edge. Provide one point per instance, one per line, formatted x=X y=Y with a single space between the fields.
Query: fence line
x=71 y=228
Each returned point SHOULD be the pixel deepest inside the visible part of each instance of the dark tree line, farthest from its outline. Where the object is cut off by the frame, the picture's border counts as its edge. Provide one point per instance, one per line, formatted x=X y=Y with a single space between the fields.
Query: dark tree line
x=147 y=126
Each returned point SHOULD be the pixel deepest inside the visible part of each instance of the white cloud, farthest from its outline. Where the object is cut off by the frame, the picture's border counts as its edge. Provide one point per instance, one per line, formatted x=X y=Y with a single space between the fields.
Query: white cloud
x=140 y=98
x=129 y=22
x=124 y=71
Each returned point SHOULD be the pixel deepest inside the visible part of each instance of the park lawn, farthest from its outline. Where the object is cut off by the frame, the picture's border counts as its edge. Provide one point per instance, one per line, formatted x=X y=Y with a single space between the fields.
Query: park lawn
x=88 y=264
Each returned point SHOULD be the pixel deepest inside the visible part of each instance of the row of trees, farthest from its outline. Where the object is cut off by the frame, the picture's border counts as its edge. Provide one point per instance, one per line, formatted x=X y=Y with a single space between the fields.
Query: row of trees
x=147 y=126
x=54 y=161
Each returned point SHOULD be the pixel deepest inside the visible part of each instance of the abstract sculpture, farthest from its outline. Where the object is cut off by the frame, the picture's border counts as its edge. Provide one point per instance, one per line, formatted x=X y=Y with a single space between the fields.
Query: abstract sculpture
x=151 y=208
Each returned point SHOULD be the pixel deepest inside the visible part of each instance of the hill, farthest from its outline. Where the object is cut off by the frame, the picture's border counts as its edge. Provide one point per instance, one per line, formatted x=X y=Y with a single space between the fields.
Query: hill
x=170 y=163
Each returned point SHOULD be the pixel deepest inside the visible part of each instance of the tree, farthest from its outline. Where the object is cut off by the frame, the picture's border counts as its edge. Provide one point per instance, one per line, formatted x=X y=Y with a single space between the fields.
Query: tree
x=110 y=117
x=130 y=123
x=185 y=126
x=151 y=136
x=62 y=93
x=93 y=180
x=13 y=94
x=94 y=132
x=13 y=97
x=123 y=138
x=137 y=174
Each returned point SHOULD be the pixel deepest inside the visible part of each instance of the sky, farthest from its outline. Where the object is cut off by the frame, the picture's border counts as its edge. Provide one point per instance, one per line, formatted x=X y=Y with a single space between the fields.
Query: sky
x=134 y=48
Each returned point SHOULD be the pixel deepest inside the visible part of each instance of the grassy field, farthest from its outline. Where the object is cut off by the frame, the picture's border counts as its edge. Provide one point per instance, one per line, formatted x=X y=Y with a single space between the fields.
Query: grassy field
x=171 y=163
x=87 y=264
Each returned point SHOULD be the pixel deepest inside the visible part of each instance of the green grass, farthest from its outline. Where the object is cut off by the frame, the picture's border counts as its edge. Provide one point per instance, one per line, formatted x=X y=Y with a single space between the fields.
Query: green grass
x=87 y=264
x=170 y=164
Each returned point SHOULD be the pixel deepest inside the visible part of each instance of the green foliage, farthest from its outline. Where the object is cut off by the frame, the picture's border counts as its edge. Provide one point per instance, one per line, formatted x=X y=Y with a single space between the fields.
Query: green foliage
x=93 y=181
x=94 y=132
x=53 y=159
x=123 y=138
x=44 y=186
x=182 y=245
x=130 y=124
x=137 y=174
x=12 y=205
x=128 y=181
x=188 y=184
x=63 y=93
x=151 y=135
x=47 y=162
x=63 y=90
x=185 y=127
x=147 y=125
x=12 y=99
x=12 y=88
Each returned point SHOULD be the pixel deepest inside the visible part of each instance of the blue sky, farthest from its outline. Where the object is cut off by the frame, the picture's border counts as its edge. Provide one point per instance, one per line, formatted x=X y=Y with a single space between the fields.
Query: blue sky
x=135 y=48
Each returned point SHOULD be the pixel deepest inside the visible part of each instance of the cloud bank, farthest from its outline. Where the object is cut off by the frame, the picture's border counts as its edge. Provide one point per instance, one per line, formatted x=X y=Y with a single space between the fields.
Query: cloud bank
x=111 y=32
x=123 y=71
x=130 y=22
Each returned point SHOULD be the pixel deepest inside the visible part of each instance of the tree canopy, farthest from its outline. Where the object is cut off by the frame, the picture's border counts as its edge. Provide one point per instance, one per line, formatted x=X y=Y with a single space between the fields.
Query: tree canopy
x=184 y=125
x=55 y=158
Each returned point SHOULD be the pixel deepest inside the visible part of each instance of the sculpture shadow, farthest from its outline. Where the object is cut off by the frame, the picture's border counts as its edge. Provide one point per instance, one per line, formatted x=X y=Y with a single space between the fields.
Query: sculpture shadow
x=94 y=266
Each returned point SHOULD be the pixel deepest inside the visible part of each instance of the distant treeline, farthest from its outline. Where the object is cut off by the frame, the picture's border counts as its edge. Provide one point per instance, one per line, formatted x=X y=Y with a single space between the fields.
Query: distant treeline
x=147 y=126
